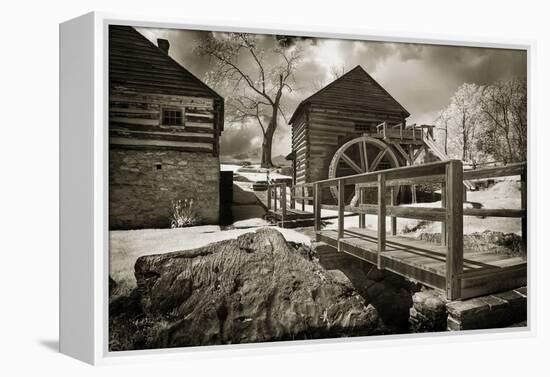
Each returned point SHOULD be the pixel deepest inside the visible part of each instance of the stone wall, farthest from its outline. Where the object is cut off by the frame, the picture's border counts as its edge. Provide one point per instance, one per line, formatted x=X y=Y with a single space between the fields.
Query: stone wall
x=143 y=184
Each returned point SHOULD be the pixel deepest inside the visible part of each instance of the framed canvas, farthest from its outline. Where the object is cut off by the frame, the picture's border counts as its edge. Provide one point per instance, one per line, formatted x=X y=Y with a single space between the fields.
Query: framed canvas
x=230 y=188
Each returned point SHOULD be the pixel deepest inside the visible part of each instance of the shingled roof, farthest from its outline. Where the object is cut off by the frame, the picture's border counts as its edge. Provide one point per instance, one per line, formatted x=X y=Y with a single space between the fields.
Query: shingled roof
x=137 y=63
x=354 y=90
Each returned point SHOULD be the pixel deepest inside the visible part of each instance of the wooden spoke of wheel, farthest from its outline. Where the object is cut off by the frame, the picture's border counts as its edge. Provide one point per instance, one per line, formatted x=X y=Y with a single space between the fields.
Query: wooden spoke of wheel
x=353 y=165
x=364 y=143
x=364 y=155
x=378 y=158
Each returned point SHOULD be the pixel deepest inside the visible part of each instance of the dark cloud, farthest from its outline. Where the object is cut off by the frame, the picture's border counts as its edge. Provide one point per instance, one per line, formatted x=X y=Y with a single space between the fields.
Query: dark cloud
x=238 y=140
x=421 y=77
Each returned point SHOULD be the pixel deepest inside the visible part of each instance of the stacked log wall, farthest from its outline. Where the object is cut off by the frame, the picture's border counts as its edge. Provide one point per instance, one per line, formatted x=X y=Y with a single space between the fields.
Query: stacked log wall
x=152 y=165
x=135 y=122
x=330 y=128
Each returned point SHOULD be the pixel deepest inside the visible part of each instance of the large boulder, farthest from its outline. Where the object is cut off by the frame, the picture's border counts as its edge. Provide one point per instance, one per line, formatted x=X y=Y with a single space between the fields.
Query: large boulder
x=255 y=288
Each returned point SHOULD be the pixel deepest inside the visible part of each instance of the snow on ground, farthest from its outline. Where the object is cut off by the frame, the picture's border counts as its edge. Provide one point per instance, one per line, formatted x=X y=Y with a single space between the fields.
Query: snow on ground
x=127 y=246
x=230 y=167
x=253 y=173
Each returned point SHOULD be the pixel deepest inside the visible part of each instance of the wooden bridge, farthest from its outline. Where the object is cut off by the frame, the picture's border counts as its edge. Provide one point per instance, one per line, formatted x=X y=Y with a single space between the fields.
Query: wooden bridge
x=447 y=266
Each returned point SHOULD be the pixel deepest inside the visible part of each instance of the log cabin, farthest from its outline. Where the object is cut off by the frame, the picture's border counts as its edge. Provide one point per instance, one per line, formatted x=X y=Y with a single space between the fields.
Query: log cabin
x=350 y=106
x=345 y=112
x=164 y=130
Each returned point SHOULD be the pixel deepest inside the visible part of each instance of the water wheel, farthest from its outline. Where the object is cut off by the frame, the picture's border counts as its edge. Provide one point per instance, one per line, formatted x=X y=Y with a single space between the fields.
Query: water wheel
x=360 y=155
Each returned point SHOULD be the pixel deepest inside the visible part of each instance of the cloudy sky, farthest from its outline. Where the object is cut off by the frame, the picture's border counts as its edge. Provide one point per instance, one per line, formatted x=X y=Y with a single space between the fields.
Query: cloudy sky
x=421 y=77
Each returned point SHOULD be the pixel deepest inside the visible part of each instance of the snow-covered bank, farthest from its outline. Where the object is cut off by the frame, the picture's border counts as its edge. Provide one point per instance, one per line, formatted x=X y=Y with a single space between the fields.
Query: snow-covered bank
x=126 y=246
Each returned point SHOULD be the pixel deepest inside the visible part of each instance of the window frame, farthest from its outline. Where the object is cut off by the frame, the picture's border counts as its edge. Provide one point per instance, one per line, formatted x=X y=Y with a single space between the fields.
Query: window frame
x=172 y=108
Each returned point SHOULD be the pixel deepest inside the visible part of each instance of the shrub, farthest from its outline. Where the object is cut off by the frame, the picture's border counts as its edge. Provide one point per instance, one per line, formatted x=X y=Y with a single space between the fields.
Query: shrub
x=184 y=213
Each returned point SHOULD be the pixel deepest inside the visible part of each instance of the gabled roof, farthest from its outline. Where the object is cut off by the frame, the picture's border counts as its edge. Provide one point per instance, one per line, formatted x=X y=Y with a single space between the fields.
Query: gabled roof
x=137 y=63
x=354 y=90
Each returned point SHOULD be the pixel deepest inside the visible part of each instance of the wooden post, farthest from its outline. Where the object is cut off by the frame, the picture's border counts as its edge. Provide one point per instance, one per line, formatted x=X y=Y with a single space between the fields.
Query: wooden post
x=393 y=218
x=317 y=206
x=455 y=240
x=292 y=195
x=362 y=216
x=268 y=196
x=303 y=200
x=341 y=205
x=381 y=219
x=524 y=207
x=275 y=198
x=411 y=163
x=443 y=205
x=283 y=201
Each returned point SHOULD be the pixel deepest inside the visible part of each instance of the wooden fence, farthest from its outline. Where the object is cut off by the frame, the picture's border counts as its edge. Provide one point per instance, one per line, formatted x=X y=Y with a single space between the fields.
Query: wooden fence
x=450 y=175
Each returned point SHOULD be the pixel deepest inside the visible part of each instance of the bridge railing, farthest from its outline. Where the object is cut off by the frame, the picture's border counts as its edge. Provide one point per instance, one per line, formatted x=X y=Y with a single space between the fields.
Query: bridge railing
x=449 y=174
x=276 y=197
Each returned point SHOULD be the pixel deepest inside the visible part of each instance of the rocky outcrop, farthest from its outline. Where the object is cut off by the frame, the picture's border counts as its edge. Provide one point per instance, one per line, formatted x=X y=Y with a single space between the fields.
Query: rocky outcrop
x=252 y=289
x=389 y=293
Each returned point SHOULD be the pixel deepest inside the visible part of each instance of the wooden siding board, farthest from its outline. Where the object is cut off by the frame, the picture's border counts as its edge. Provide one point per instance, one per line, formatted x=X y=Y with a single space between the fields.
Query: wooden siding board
x=130 y=52
x=136 y=64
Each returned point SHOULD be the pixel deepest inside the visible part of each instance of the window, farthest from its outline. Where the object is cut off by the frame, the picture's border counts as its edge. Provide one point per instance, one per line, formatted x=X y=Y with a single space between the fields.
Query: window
x=172 y=117
x=363 y=127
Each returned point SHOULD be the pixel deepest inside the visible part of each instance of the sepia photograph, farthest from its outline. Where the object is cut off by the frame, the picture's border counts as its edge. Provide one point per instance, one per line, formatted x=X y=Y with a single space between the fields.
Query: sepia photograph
x=269 y=187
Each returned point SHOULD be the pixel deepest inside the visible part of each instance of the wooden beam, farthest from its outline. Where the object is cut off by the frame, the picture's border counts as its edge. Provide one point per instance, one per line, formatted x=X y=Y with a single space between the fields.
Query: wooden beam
x=362 y=216
x=407 y=172
x=455 y=241
x=400 y=149
x=377 y=160
x=303 y=197
x=417 y=154
x=298 y=197
x=364 y=155
x=492 y=271
x=430 y=179
x=352 y=164
x=419 y=213
x=317 y=206
x=488 y=212
x=153 y=143
x=268 y=196
x=283 y=200
x=499 y=171
x=381 y=219
x=275 y=197
x=341 y=205
x=393 y=218
x=411 y=162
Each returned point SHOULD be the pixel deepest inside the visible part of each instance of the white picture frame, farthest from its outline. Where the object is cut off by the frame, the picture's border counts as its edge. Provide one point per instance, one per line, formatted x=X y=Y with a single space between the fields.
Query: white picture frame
x=84 y=189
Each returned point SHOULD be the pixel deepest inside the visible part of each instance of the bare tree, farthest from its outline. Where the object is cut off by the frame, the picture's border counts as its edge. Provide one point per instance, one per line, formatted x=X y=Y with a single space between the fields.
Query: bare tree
x=463 y=121
x=504 y=106
x=442 y=124
x=255 y=79
x=335 y=73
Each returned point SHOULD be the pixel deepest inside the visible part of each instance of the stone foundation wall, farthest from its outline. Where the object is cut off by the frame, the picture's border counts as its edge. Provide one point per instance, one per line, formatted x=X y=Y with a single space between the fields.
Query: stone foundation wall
x=143 y=184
